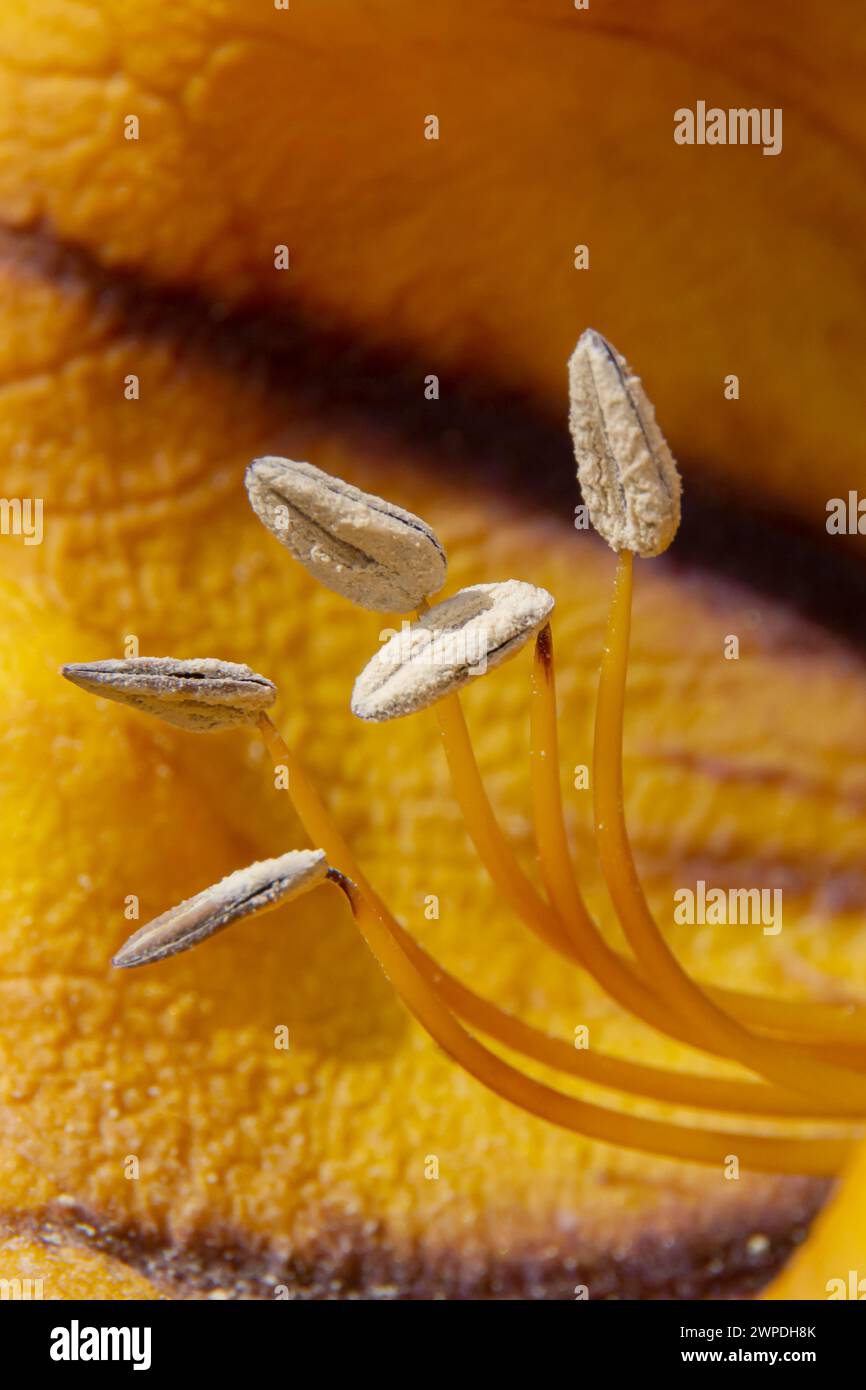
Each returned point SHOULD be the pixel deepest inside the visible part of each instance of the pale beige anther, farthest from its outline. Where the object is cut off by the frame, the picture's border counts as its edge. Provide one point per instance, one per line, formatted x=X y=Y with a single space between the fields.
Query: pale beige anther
x=627 y=474
x=244 y=893
x=197 y=693
x=368 y=550
x=451 y=644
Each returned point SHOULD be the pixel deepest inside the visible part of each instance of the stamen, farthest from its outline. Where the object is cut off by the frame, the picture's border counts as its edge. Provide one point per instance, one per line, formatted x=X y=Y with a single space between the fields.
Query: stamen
x=247 y=892
x=762 y=1152
x=373 y=553
x=201 y=694
x=387 y=559
x=627 y=474
x=805 y=1021
x=450 y=644
x=584 y=942
x=494 y=851
x=792 y=1067
x=551 y=840
x=696 y=1091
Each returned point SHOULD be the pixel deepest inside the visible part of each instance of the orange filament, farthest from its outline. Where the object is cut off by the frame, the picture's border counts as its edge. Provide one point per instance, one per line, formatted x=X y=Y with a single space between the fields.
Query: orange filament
x=614 y=973
x=712 y=1028
x=614 y=1073
x=551 y=839
x=804 y=1021
x=421 y=993
x=577 y=937
x=494 y=851
x=582 y=941
x=569 y=930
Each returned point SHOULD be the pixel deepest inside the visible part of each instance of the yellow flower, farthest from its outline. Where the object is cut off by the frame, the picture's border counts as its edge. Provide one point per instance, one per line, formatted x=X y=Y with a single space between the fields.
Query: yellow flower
x=157 y=1110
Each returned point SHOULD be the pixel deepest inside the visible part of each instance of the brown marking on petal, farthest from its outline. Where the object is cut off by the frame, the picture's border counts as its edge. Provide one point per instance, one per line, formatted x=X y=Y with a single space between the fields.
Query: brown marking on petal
x=724 y=1254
